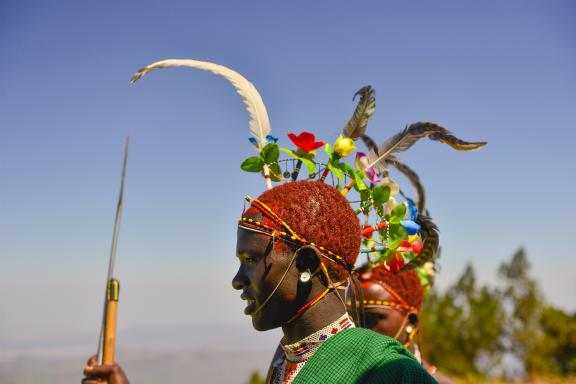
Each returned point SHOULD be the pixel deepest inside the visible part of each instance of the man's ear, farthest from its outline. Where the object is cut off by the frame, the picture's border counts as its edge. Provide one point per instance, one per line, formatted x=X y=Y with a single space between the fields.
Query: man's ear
x=413 y=318
x=308 y=259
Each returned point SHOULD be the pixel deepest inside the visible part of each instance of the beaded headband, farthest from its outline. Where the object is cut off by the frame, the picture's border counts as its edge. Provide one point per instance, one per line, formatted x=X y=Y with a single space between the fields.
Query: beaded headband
x=399 y=228
x=398 y=303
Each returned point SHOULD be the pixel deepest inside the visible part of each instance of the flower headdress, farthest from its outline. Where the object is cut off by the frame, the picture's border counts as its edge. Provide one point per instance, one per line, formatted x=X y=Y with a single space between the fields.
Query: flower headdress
x=399 y=234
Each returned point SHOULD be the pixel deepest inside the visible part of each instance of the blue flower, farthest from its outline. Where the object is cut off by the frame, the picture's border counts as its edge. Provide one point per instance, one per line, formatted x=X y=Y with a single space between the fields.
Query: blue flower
x=412 y=210
x=410 y=226
x=271 y=139
x=253 y=141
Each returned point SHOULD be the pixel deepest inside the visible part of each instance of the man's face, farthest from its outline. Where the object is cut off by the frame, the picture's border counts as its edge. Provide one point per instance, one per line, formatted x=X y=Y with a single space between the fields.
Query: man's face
x=261 y=269
x=386 y=321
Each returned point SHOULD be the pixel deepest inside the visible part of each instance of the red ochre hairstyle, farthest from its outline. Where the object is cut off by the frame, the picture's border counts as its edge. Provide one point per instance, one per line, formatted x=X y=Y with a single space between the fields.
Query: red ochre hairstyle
x=320 y=214
x=406 y=284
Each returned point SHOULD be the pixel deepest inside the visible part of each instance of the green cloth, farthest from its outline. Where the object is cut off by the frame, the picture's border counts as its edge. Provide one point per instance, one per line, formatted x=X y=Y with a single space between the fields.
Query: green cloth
x=359 y=355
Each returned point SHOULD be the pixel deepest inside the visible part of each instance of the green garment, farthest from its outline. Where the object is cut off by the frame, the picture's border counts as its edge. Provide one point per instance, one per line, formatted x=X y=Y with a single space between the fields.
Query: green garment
x=359 y=355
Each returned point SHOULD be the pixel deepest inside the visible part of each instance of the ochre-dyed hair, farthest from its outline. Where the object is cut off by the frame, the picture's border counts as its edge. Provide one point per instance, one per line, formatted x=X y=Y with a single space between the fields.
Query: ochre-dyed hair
x=406 y=284
x=320 y=214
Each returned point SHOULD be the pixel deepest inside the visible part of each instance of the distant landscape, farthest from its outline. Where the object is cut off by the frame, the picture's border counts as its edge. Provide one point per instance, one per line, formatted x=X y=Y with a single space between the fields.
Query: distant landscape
x=183 y=354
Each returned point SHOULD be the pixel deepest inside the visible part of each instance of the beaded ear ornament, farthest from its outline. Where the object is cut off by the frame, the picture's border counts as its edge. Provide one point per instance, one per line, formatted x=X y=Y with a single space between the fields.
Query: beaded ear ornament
x=395 y=231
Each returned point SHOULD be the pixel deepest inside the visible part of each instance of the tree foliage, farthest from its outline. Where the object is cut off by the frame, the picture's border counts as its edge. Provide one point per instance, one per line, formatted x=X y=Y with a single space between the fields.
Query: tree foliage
x=256 y=378
x=471 y=330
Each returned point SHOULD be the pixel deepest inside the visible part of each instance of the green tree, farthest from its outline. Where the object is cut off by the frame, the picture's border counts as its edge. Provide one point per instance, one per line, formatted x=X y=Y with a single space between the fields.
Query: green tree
x=524 y=304
x=462 y=329
x=554 y=351
x=256 y=378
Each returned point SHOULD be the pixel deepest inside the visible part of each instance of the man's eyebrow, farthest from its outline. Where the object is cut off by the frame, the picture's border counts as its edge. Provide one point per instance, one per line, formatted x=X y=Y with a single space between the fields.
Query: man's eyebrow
x=243 y=254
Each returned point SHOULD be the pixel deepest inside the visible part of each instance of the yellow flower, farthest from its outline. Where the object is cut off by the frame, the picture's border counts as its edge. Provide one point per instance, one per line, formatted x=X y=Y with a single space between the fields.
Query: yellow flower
x=344 y=146
x=412 y=238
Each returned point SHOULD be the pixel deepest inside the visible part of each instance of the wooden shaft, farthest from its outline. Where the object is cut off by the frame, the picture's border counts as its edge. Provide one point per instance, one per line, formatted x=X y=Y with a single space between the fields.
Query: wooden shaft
x=109 y=342
x=348 y=187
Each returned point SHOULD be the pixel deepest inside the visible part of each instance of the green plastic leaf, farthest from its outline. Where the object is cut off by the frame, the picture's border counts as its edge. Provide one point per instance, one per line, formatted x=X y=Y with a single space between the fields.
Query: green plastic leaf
x=328 y=150
x=364 y=196
x=275 y=172
x=270 y=153
x=289 y=152
x=252 y=164
x=396 y=234
x=309 y=164
x=397 y=214
x=337 y=172
x=381 y=194
x=360 y=185
x=347 y=169
x=306 y=155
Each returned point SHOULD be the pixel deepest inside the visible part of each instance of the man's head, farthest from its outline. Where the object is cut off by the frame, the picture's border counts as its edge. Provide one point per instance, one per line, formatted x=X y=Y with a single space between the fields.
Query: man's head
x=288 y=230
x=392 y=301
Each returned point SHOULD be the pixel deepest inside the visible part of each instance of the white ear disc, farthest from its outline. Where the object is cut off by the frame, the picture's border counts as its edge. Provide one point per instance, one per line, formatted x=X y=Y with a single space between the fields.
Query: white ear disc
x=409 y=329
x=305 y=276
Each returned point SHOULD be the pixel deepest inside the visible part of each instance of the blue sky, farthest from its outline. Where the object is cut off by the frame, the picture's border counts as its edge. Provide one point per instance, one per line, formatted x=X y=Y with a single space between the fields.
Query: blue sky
x=496 y=71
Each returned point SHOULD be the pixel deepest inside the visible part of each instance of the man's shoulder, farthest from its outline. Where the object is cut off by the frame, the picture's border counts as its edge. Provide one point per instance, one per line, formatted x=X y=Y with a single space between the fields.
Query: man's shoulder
x=358 y=355
x=368 y=342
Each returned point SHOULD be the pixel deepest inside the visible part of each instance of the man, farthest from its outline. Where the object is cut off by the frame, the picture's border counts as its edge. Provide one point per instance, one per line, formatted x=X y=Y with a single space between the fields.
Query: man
x=392 y=304
x=296 y=244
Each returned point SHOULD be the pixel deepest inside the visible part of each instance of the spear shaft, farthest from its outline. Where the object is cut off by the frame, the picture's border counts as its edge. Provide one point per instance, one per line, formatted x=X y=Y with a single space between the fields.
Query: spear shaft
x=108 y=329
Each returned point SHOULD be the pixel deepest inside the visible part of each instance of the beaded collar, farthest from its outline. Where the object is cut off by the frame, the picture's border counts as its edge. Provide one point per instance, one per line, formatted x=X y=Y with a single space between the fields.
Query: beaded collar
x=304 y=349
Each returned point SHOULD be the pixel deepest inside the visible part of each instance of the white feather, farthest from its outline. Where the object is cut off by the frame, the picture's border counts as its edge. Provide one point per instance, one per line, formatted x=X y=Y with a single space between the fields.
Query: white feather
x=259 y=122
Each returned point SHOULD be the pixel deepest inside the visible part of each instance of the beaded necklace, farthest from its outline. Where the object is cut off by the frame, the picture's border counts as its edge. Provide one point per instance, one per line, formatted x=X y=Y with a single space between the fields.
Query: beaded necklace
x=286 y=367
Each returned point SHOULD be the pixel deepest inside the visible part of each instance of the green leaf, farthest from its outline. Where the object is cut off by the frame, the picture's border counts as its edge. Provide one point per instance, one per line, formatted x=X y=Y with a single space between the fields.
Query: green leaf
x=306 y=155
x=253 y=164
x=397 y=214
x=309 y=164
x=364 y=195
x=275 y=172
x=360 y=186
x=347 y=169
x=328 y=150
x=381 y=194
x=289 y=152
x=337 y=172
x=396 y=234
x=270 y=153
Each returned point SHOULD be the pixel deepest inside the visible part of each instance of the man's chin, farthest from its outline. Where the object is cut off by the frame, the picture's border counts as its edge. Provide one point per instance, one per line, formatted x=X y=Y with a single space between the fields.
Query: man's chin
x=260 y=325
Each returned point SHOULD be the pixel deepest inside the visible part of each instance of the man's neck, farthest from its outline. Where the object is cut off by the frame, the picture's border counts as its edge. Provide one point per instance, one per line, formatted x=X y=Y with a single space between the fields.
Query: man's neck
x=325 y=312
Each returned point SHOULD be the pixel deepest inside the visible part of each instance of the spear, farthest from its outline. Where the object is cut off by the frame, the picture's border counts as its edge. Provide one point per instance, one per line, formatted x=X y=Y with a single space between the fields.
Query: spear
x=107 y=340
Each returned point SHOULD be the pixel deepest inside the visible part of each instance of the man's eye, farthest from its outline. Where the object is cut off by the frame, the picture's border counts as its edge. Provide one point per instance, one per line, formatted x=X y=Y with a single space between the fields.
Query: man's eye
x=250 y=260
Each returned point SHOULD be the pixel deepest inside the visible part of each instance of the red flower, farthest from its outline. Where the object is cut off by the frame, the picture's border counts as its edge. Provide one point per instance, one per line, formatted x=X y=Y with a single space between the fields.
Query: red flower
x=405 y=246
x=416 y=248
x=305 y=141
x=394 y=262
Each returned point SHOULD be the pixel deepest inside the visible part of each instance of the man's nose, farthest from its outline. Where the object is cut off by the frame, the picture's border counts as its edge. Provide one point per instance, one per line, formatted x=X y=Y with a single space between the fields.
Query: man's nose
x=239 y=281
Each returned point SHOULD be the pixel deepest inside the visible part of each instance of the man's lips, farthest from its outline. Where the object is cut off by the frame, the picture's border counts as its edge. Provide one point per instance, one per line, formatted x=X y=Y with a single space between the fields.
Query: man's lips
x=251 y=303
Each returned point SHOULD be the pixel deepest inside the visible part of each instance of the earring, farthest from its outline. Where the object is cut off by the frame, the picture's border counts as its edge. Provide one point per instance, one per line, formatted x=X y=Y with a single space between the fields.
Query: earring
x=305 y=276
x=409 y=329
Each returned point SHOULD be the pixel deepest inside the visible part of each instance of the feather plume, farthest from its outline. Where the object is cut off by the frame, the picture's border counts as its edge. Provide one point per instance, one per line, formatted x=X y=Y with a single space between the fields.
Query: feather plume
x=455 y=142
x=431 y=239
x=356 y=126
x=410 y=135
x=414 y=180
x=259 y=122
x=370 y=144
x=373 y=148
